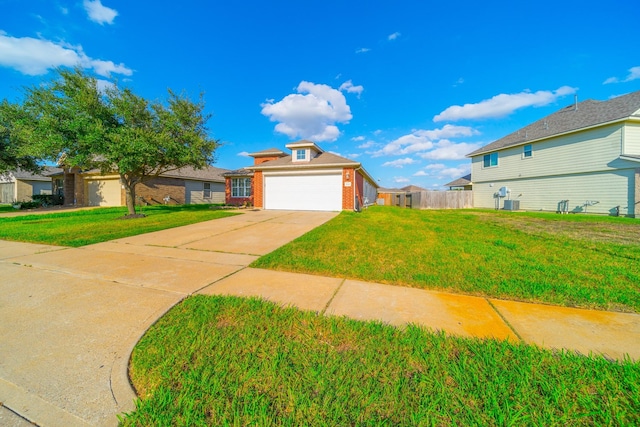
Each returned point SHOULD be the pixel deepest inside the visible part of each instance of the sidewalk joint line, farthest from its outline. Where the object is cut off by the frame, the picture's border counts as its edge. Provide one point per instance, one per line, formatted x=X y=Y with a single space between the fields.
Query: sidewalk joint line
x=326 y=307
x=504 y=319
x=217 y=280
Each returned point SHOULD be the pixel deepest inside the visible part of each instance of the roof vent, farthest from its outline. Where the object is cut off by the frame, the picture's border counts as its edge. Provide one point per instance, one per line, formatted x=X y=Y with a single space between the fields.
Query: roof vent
x=575 y=100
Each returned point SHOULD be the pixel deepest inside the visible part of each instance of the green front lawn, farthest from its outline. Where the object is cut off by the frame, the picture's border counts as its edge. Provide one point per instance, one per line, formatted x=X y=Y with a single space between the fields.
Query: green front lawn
x=85 y=227
x=573 y=260
x=231 y=361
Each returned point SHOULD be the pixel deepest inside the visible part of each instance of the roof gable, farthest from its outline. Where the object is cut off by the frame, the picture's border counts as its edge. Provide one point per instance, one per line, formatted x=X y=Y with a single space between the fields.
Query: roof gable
x=571 y=118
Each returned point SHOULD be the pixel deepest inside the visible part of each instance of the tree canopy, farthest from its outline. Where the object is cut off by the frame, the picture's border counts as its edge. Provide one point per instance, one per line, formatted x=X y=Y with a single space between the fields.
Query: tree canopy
x=14 y=151
x=71 y=120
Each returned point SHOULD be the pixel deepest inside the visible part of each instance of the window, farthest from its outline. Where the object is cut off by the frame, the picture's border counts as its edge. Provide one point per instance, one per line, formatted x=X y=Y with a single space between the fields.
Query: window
x=490 y=160
x=240 y=187
x=301 y=154
x=207 y=190
x=527 y=151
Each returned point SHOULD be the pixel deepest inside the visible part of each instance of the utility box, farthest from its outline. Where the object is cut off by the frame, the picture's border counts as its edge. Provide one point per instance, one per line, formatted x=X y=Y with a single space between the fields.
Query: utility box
x=512 y=205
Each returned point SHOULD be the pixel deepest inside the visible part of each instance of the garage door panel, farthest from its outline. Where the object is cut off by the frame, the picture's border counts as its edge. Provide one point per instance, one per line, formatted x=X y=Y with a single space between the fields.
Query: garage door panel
x=104 y=192
x=322 y=192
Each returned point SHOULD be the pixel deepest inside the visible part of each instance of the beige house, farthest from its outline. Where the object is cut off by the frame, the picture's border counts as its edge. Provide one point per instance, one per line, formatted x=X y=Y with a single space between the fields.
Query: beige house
x=182 y=186
x=20 y=186
x=583 y=158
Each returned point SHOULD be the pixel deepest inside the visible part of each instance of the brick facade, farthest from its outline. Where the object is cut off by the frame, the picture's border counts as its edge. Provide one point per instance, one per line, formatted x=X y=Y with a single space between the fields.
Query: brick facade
x=237 y=201
x=155 y=190
x=258 y=197
x=348 y=189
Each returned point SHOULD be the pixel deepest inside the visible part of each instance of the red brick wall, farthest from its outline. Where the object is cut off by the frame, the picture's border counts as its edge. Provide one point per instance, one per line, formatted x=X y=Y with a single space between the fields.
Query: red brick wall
x=347 y=192
x=260 y=160
x=258 y=197
x=155 y=190
x=236 y=200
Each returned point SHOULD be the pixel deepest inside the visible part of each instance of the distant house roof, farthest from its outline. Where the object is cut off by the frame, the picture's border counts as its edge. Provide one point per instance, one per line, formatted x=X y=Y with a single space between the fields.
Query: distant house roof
x=460 y=182
x=571 y=118
x=209 y=173
x=413 y=188
x=45 y=175
x=391 y=190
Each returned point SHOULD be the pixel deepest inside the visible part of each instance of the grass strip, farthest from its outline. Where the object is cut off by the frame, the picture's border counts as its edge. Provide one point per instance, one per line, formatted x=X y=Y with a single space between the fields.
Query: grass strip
x=578 y=261
x=85 y=227
x=233 y=361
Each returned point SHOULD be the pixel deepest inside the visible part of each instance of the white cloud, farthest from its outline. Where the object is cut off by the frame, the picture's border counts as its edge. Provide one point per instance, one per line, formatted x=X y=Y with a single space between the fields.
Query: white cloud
x=243 y=154
x=422 y=140
x=367 y=144
x=64 y=10
x=311 y=113
x=400 y=163
x=421 y=173
x=99 y=13
x=447 y=150
x=353 y=155
x=634 y=74
x=37 y=56
x=363 y=50
x=350 y=88
x=358 y=138
x=394 y=36
x=435 y=166
x=400 y=179
x=502 y=105
x=455 y=172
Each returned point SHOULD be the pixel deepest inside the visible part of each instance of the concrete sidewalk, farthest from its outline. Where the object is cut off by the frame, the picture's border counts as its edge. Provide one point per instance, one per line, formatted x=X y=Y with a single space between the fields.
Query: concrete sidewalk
x=69 y=318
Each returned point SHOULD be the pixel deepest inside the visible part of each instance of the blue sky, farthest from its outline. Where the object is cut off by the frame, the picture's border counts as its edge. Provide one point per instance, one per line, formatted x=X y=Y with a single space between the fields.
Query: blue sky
x=405 y=87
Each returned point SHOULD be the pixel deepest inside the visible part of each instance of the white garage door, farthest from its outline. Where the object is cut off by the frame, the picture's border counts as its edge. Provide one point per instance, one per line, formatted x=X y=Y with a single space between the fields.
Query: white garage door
x=104 y=192
x=321 y=192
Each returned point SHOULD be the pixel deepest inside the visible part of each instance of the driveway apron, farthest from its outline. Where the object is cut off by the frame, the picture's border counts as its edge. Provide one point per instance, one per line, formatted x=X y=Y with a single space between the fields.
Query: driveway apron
x=69 y=317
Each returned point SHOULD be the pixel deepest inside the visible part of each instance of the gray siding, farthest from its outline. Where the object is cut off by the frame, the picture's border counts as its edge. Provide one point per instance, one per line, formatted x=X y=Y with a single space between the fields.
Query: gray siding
x=579 y=167
x=194 y=192
x=632 y=139
x=581 y=152
x=610 y=189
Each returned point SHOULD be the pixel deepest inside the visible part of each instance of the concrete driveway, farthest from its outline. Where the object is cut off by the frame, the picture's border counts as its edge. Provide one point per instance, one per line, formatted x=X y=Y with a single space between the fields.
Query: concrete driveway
x=69 y=318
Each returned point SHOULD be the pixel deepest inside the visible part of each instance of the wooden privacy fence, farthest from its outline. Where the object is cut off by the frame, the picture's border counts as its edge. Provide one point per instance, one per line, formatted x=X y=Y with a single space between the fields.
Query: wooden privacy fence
x=459 y=199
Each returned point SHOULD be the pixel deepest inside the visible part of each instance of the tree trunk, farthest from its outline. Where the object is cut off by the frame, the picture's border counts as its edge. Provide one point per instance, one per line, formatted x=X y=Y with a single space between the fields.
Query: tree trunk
x=130 y=195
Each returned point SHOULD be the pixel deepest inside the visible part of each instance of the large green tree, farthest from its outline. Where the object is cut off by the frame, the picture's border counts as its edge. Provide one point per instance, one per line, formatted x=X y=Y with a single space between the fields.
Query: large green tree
x=77 y=123
x=14 y=151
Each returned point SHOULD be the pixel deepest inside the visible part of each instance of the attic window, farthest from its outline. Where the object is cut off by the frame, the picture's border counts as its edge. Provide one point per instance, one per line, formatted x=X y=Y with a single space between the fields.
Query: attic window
x=301 y=154
x=527 y=151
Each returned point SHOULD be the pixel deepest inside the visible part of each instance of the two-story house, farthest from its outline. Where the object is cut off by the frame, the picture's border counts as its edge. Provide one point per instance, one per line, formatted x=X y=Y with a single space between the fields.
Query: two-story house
x=582 y=158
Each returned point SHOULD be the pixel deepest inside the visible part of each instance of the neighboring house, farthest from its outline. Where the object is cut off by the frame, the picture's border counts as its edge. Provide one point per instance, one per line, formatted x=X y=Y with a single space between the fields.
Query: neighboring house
x=307 y=179
x=20 y=186
x=584 y=157
x=462 y=183
x=413 y=189
x=182 y=186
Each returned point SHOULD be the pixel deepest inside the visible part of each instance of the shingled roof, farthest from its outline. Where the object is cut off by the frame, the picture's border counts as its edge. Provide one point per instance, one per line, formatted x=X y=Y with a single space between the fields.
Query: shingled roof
x=208 y=173
x=322 y=159
x=571 y=118
x=460 y=182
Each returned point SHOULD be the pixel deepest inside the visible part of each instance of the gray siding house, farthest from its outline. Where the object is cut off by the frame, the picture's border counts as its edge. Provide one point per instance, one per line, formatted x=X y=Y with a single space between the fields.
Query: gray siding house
x=582 y=158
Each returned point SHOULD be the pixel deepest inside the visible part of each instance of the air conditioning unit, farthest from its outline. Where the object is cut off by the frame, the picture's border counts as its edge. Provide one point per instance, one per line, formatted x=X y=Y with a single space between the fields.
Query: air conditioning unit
x=512 y=205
